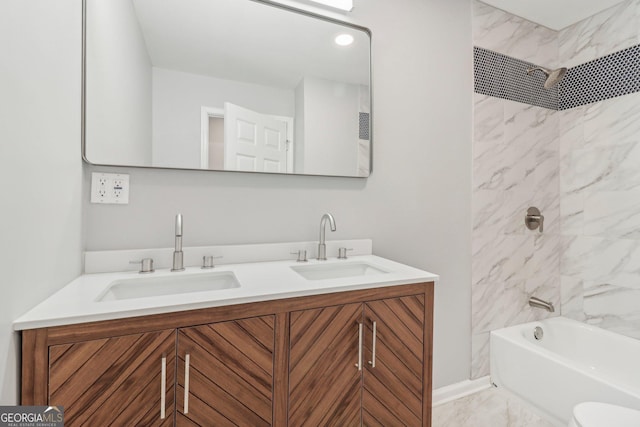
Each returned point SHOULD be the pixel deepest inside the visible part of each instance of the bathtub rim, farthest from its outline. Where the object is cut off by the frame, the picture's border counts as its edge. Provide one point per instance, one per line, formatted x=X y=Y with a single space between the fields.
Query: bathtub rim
x=513 y=335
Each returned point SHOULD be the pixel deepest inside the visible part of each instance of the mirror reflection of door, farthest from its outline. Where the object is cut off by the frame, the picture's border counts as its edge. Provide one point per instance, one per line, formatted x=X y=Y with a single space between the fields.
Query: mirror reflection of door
x=253 y=142
x=240 y=139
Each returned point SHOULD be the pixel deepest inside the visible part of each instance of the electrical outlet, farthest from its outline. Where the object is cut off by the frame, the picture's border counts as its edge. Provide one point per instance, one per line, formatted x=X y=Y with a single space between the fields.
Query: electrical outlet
x=118 y=188
x=98 y=188
x=109 y=188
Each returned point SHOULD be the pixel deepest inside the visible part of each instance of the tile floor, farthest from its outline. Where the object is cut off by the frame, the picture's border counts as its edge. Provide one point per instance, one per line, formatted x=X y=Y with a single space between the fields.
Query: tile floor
x=488 y=408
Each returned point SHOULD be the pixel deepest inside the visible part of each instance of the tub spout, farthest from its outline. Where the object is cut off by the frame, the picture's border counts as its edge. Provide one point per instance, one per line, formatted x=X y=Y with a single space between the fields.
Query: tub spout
x=538 y=303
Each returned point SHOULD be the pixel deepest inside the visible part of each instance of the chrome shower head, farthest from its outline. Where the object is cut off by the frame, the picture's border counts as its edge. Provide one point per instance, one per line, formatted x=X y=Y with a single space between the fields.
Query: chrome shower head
x=553 y=76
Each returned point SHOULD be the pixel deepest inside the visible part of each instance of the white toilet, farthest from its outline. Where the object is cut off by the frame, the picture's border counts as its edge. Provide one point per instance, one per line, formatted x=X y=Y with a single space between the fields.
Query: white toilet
x=597 y=414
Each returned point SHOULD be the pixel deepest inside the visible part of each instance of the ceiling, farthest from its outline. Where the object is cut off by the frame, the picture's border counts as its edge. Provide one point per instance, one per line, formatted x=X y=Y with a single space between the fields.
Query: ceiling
x=249 y=41
x=554 y=14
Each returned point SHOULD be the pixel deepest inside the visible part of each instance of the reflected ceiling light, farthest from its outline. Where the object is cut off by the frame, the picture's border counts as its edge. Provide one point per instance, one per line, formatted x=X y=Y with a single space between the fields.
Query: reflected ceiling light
x=344 y=39
x=338 y=4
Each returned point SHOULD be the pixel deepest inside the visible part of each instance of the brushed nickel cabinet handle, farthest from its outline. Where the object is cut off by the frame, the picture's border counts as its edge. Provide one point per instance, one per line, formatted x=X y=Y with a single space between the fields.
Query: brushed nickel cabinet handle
x=187 y=360
x=163 y=388
x=360 y=332
x=372 y=362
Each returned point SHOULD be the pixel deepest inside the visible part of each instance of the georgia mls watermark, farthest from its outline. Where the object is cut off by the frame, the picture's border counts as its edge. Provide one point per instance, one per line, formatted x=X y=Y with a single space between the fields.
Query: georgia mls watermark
x=31 y=416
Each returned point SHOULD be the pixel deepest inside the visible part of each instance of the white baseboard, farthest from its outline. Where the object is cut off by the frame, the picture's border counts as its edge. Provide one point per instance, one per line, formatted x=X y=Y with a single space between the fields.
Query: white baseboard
x=455 y=391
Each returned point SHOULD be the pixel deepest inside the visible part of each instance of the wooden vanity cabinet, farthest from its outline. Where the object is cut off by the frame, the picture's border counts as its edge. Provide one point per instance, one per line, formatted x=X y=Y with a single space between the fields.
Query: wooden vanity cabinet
x=393 y=387
x=225 y=373
x=224 y=377
x=286 y=362
x=324 y=383
x=358 y=364
x=115 y=381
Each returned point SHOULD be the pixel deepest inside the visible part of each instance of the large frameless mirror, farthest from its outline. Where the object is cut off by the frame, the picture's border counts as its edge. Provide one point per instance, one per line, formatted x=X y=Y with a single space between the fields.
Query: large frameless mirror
x=233 y=85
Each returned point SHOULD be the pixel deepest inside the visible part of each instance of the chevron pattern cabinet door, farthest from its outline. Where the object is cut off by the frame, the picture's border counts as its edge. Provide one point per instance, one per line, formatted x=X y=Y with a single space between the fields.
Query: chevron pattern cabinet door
x=324 y=383
x=114 y=381
x=230 y=373
x=393 y=389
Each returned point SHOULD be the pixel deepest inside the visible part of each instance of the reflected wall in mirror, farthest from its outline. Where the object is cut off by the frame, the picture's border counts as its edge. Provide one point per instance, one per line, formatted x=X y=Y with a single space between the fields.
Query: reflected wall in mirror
x=238 y=85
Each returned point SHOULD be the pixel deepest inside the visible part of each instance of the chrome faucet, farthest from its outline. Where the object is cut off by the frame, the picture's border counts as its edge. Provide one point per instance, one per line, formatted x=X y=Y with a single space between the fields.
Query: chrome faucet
x=538 y=303
x=178 y=264
x=322 y=247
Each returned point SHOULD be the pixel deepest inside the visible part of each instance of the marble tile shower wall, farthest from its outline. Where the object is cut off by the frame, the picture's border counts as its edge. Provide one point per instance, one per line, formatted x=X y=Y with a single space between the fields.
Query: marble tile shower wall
x=515 y=166
x=600 y=184
x=513 y=36
x=607 y=32
x=516 y=162
x=578 y=166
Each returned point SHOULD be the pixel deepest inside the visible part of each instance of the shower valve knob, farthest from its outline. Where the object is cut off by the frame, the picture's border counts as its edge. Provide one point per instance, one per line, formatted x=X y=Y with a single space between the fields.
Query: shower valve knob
x=534 y=219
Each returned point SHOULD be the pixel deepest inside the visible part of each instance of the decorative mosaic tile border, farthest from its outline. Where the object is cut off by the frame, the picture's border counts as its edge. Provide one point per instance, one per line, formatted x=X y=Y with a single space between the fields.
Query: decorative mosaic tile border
x=363 y=122
x=608 y=77
x=504 y=77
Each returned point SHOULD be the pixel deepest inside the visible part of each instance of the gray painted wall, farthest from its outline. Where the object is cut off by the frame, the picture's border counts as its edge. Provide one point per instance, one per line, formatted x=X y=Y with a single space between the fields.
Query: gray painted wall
x=40 y=163
x=119 y=122
x=331 y=128
x=416 y=205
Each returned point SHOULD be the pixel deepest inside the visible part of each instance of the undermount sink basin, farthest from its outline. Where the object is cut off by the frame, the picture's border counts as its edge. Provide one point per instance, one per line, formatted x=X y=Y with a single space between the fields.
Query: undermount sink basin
x=337 y=270
x=178 y=283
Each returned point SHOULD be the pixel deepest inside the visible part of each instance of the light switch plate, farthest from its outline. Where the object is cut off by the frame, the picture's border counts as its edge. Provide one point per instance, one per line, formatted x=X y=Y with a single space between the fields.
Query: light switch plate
x=110 y=188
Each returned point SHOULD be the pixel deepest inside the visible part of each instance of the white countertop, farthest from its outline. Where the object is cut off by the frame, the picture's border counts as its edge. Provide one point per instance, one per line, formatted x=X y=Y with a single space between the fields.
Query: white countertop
x=260 y=281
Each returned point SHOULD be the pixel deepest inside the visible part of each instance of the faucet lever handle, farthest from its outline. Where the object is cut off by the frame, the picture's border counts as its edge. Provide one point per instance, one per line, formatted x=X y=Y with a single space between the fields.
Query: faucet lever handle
x=146 y=265
x=207 y=261
x=342 y=252
x=302 y=255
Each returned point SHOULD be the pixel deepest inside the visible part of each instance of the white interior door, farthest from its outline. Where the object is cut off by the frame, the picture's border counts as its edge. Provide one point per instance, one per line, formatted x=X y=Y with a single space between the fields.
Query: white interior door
x=253 y=142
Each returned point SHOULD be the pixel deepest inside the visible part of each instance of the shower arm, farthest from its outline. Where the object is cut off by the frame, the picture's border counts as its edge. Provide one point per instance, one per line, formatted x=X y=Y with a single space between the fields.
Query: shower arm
x=544 y=70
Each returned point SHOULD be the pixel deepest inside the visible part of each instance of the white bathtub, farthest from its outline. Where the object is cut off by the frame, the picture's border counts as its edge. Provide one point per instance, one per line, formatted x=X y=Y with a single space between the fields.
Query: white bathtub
x=572 y=363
